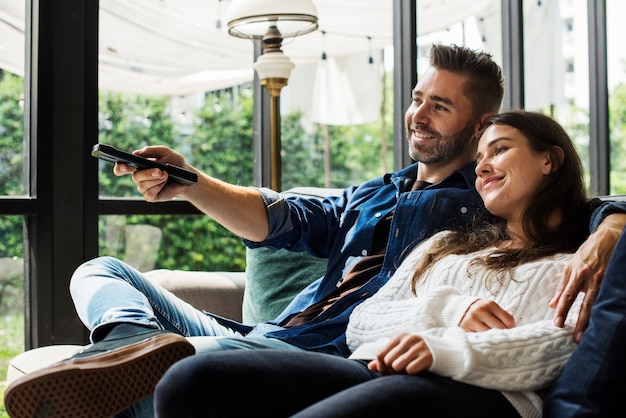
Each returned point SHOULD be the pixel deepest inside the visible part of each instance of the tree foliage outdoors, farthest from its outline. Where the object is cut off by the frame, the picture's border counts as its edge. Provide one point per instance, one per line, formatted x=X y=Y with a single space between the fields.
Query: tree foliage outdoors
x=617 y=136
x=218 y=140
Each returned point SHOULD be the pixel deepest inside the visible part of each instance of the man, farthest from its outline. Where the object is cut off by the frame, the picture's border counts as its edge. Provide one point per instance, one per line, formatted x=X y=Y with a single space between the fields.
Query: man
x=364 y=233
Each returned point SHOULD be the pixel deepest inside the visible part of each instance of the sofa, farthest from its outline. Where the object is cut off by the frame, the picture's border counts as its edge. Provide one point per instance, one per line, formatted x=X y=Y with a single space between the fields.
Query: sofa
x=271 y=279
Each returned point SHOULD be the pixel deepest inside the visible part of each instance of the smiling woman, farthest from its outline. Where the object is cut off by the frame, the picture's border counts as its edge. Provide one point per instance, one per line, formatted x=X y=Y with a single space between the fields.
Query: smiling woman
x=533 y=152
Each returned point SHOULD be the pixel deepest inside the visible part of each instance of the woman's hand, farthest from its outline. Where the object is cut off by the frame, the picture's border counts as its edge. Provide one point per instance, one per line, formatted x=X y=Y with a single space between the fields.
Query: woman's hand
x=485 y=314
x=406 y=353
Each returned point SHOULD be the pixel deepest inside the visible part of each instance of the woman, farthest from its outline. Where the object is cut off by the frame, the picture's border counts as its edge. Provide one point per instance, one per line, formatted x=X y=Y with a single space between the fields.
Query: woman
x=463 y=326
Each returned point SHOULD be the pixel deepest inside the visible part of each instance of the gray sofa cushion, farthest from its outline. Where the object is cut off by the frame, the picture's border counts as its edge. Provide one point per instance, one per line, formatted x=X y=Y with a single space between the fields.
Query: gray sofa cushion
x=217 y=292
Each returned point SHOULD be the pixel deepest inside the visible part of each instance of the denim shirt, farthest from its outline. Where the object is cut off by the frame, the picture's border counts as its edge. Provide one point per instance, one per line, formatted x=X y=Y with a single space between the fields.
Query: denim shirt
x=341 y=228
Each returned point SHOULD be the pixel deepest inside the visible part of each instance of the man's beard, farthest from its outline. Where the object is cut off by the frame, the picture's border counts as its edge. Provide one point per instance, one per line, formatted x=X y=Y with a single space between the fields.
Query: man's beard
x=445 y=148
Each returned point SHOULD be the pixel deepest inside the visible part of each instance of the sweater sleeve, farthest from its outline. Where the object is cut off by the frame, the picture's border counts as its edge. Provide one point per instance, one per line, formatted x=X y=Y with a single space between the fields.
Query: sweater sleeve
x=527 y=357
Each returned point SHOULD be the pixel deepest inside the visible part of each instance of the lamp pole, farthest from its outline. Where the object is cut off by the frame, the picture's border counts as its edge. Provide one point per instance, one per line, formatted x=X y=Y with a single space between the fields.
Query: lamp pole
x=271 y=62
x=274 y=86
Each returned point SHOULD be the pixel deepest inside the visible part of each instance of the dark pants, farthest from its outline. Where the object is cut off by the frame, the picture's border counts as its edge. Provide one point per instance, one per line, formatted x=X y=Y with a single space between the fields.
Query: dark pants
x=593 y=382
x=244 y=383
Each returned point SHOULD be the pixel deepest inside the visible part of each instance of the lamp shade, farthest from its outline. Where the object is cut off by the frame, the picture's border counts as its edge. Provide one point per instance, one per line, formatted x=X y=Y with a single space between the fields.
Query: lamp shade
x=251 y=18
x=273 y=65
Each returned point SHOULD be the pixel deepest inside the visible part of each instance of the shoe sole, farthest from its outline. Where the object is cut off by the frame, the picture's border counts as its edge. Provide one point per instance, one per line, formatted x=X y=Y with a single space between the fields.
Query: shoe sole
x=97 y=386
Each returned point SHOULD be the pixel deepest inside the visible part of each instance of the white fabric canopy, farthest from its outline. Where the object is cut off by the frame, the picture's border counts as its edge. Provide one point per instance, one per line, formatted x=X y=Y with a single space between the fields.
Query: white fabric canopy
x=175 y=47
x=12 y=36
x=345 y=91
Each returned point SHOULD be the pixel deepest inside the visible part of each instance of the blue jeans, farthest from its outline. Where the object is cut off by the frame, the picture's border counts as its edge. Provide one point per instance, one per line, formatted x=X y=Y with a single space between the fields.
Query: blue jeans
x=107 y=291
x=593 y=380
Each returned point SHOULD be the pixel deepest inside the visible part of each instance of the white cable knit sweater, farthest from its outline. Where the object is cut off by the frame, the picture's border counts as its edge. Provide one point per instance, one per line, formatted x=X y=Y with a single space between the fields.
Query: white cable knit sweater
x=515 y=361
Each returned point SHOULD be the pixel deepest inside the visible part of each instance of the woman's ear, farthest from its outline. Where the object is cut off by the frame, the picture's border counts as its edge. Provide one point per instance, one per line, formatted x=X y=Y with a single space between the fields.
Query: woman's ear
x=555 y=159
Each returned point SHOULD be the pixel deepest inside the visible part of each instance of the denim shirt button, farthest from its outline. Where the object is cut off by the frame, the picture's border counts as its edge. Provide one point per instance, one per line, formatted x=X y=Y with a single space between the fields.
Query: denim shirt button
x=378 y=215
x=463 y=209
x=363 y=252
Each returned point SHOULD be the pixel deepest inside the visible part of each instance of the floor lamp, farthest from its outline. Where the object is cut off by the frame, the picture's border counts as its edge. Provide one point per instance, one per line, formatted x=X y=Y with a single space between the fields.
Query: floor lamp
x=271 y=21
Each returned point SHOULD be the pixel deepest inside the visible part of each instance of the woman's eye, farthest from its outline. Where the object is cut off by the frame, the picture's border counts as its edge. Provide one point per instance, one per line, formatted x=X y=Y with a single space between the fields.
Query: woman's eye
x=499 y=150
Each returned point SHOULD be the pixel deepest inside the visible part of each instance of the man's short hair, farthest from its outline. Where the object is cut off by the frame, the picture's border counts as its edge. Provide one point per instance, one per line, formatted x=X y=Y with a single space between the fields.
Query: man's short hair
x=485 y=85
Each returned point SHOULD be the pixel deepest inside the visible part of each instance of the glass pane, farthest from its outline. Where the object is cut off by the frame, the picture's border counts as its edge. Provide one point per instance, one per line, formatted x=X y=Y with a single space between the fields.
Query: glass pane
x=478 y=26
x=616 y=33
x=12 y=49
x=337 y=107
x=155 y=89
x=11 y=292
x=557 y=66
x=12 y=183
x=11 y=133
x=192 y=242
x=341 y=133
x=212 y=130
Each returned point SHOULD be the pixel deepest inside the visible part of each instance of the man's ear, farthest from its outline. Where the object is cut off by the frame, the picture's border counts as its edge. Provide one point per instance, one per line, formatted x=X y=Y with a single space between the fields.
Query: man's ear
x=482 y=124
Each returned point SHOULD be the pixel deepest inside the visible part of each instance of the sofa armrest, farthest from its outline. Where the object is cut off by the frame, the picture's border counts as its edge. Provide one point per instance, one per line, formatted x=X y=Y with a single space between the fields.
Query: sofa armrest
x=220 y=293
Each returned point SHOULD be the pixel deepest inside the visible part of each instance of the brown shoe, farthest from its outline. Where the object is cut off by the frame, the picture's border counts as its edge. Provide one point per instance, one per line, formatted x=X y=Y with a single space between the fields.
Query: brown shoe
x=99 y=382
